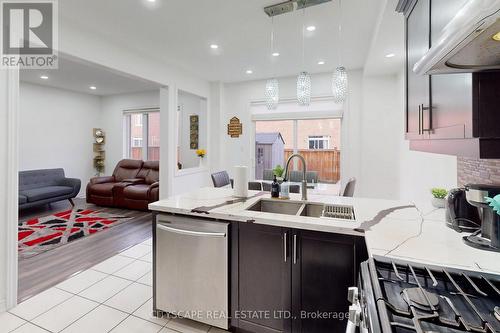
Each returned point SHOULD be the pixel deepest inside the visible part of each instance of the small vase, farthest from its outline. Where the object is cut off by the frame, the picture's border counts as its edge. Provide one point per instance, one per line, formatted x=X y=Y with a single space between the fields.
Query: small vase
x=438 y=202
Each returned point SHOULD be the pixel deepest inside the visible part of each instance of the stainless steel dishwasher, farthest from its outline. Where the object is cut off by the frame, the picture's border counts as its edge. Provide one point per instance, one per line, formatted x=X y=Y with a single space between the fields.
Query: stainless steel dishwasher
x=192 y=269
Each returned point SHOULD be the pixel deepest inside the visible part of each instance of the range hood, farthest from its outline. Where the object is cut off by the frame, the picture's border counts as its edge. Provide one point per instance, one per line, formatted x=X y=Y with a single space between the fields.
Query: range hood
x=470 y=42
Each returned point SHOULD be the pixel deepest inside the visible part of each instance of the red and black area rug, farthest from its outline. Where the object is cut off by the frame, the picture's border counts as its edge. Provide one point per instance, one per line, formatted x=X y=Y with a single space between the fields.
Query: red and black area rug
x=45 y=233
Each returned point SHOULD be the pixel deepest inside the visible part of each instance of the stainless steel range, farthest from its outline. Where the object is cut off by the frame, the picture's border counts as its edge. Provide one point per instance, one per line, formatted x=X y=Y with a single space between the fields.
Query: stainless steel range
x=402 y=297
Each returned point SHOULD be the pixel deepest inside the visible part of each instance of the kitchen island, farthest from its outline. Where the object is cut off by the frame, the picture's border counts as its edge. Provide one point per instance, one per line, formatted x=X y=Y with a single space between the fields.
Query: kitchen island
x=298 y=263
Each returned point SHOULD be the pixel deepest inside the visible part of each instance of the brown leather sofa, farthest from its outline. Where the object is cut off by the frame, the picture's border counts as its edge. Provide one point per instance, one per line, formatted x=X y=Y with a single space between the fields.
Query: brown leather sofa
x=134 y=184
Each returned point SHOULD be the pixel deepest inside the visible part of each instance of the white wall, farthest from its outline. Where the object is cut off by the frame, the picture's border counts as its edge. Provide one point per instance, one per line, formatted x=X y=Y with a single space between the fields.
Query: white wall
x=422 y=171
x=4 y=178
x=112 y=121
x=191 y=105
x=55 y=130
x=380 y=132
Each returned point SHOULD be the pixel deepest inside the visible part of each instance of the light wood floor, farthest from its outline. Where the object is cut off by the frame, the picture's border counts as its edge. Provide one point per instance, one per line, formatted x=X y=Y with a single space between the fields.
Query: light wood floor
x=49 y=268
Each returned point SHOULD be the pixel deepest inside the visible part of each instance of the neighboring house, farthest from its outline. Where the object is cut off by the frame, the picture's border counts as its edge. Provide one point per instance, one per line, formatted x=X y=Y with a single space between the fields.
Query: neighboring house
x=269 y=152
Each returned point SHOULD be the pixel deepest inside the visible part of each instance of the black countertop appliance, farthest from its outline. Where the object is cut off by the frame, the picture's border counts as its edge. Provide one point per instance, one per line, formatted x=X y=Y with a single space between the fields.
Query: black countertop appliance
x=488 y=237
x=460 y=214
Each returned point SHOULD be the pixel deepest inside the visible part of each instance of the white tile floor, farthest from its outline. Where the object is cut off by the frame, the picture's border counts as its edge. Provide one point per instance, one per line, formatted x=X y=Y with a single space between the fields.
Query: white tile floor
x=113 y=296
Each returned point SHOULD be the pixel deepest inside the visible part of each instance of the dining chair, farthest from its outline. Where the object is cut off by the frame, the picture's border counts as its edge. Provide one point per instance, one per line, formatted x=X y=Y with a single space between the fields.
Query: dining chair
x=221 y=179
x=268 y=174
x=349 y=188
x=255 y=186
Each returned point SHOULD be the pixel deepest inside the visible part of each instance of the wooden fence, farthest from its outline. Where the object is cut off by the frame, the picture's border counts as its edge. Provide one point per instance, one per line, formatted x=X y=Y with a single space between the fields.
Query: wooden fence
x=325 y=161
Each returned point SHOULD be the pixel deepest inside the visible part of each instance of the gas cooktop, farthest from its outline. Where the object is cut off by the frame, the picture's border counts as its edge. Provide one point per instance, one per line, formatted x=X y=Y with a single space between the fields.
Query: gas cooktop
x=429 y=299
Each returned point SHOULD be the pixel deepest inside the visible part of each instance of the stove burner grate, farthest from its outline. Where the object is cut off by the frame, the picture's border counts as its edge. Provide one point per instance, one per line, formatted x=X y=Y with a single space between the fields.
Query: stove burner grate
x=422 y=295
x=420 y=298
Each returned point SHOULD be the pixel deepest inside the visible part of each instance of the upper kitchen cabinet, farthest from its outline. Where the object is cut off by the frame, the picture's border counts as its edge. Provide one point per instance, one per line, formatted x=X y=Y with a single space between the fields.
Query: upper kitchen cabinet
x=446 y=113
x=451 y=94
x=418 y=86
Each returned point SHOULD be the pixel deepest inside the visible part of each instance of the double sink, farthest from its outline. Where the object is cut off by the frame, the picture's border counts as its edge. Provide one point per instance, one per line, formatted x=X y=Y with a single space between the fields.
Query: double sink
x=299 y=208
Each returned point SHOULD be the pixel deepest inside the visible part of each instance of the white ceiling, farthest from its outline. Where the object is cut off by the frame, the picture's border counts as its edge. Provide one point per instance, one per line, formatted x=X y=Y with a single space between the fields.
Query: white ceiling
x=76 y=75
x=388 y=39
x=180 y=32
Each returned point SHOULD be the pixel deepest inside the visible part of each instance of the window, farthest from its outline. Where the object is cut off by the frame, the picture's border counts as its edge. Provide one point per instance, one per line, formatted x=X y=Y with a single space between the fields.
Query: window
x=137 y=119
x=136 y=142
x=319 y=142
x=142 y=142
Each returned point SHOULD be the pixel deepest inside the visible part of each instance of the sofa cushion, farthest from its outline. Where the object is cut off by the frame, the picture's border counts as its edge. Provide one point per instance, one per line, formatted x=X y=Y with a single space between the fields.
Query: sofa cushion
x=105 y=189
x=137 y=192
x=37 y=194
x=127 y=169
x=22 y=199
x=150 y=172
x=39 y=178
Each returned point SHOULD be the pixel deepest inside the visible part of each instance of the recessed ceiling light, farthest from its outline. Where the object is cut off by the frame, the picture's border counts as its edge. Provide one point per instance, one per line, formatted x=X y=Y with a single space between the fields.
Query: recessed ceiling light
x=496 y=37
x=92 y=87
x=390 y=55
x=321 y=62
x=151 y=0
x=214 y=46
x=249 y=71
x=44 y=77
x=276 y=54
x=311 y=28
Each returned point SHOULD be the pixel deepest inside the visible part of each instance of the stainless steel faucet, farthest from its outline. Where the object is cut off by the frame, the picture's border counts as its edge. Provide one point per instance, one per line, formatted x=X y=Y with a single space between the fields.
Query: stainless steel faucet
x=304 y=178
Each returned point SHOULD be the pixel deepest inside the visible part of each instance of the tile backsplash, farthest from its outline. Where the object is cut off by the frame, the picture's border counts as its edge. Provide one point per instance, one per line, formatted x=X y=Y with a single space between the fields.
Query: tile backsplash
x=478 y=171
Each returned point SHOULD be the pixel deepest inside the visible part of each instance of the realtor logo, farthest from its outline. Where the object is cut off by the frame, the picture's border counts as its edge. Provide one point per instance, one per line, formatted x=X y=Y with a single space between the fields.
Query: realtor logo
x=29 y=34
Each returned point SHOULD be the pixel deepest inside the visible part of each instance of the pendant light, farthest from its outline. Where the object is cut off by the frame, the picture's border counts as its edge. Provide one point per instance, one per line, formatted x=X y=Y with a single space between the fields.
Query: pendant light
x=340 y=80
x=272 y=92
x=303 y=79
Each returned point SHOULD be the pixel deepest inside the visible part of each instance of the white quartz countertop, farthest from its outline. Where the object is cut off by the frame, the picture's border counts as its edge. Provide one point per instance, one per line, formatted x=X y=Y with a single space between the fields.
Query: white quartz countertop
x=399 y=230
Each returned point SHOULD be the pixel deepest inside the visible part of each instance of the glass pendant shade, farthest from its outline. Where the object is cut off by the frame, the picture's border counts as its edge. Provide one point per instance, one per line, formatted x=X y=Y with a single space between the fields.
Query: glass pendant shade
x=304 y=88
x=272 y=94
x=339 y=85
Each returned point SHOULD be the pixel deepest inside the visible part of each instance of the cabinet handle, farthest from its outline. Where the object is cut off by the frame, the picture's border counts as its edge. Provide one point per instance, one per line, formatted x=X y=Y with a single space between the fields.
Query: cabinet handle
x=294 y=249
x=191 y=232
x=427 y=108
x=419 y=119
x=285 y=242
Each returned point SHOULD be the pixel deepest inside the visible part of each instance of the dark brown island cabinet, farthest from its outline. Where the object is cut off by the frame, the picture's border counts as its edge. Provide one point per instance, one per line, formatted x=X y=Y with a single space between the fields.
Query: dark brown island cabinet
x=455 y=114
x=289 y=280
x=282 y=279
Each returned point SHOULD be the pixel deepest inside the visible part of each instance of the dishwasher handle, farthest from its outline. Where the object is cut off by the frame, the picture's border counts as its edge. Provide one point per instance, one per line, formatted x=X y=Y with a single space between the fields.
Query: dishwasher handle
x=191 y=232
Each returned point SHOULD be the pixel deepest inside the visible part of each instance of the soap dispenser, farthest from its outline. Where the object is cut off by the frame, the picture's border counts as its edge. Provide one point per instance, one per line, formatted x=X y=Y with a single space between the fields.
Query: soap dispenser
x=275 y=188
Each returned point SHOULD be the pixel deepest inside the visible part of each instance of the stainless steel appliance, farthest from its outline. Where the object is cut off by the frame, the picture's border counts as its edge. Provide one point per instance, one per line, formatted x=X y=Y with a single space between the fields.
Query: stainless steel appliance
x=402 y=297
x=192 y=269
x=460 y=214
x=488 y=238
x=470 y=42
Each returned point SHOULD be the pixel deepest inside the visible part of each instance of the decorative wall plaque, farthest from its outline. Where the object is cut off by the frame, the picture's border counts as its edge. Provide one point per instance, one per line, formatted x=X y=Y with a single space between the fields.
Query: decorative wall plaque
x=98 y=148
x=194 y=131
x=235 y=127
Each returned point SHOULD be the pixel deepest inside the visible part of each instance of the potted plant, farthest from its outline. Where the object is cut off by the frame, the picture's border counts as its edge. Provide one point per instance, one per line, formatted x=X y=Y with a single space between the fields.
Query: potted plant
x=278 y=172
x=438 y=194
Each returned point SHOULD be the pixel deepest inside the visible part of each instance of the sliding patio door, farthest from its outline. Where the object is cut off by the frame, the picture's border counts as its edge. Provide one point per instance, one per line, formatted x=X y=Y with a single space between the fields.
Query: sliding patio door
x=318 y=140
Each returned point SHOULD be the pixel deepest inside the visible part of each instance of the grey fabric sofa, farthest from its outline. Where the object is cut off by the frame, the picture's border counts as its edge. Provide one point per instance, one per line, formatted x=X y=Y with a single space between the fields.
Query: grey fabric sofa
x=39 y=187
